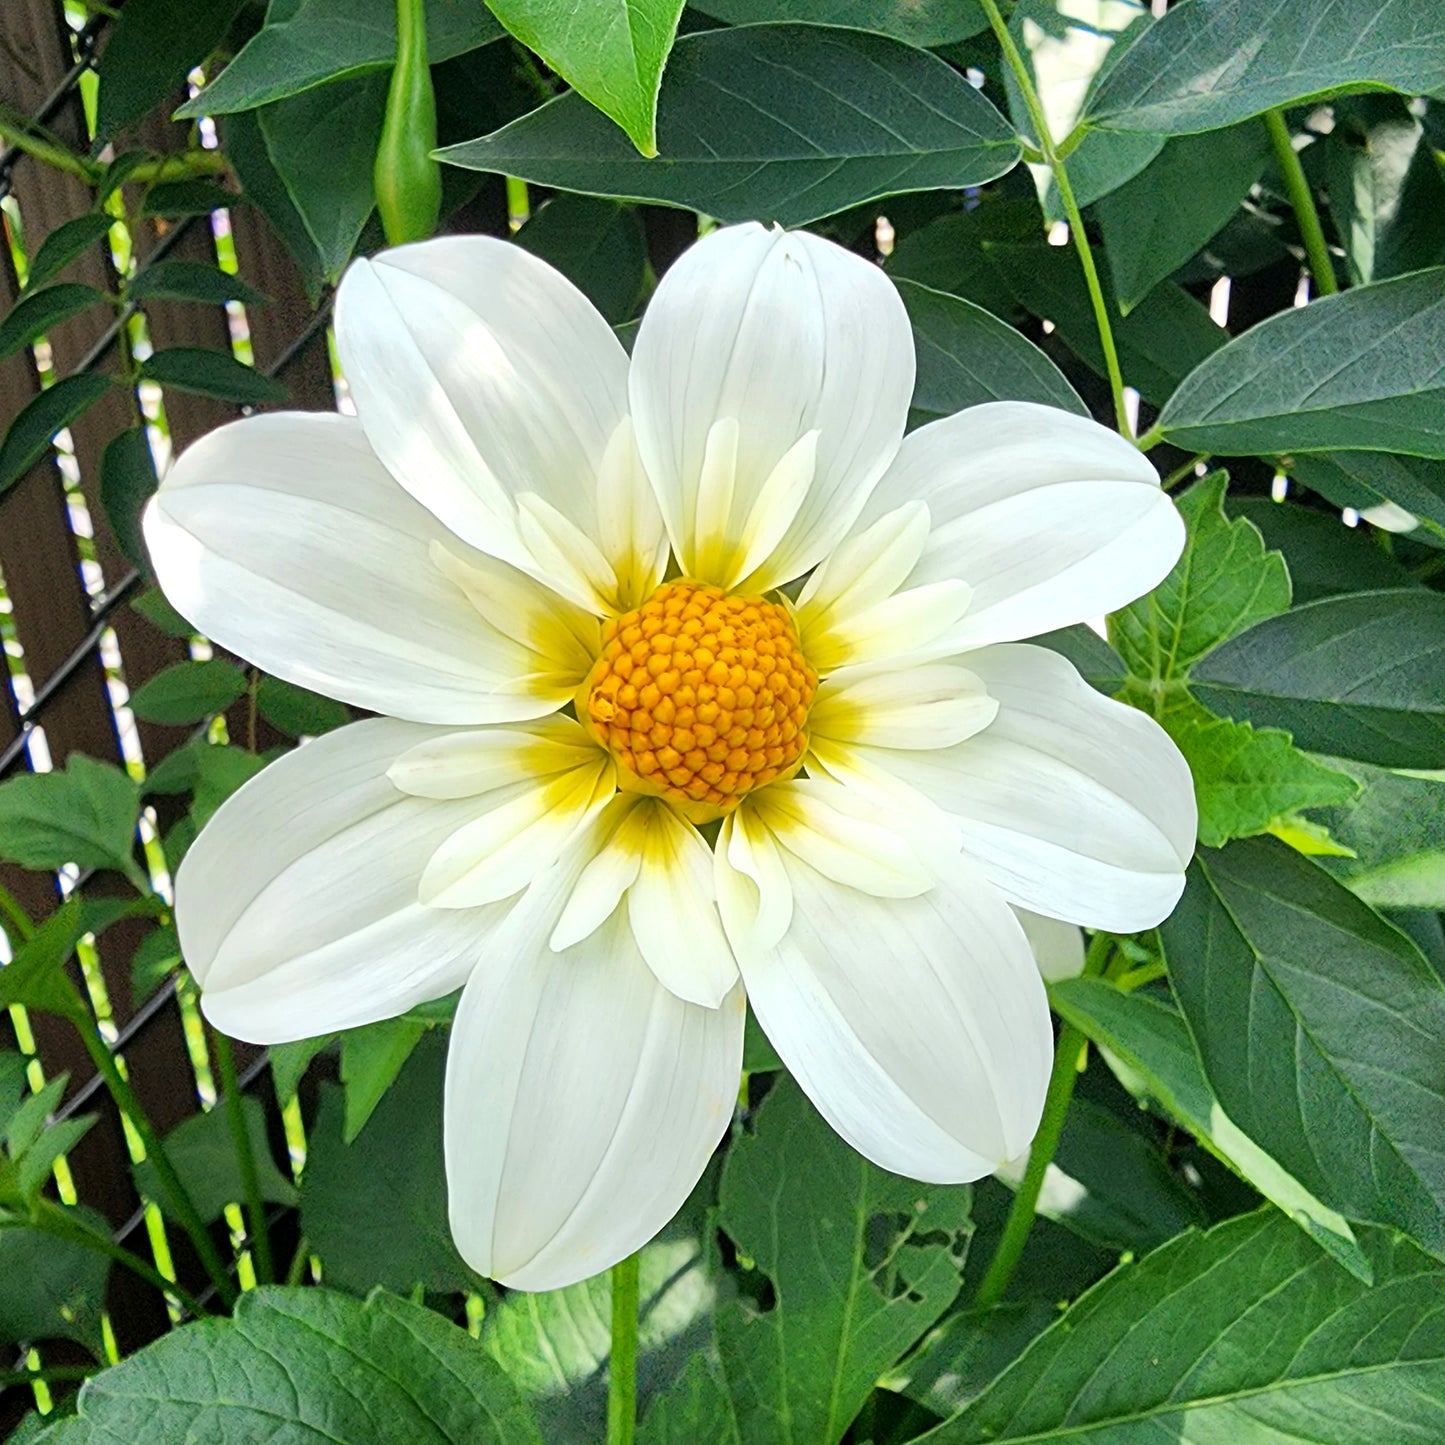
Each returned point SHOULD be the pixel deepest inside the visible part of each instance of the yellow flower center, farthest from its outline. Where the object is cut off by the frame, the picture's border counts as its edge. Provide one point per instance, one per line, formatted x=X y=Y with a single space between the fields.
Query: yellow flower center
x=700 y=696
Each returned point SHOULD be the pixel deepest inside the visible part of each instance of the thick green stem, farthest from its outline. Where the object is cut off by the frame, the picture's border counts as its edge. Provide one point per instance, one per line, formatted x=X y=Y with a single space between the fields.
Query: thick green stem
x=51 y=155
x=622 y=1375
x=181 y=1207
x=17 y=918
x=234 y=1103
x=1303 y=201
x=1054 y=160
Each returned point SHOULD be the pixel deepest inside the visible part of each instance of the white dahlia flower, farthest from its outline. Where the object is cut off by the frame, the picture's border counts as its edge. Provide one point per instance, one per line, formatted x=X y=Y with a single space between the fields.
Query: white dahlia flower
x=698 y=679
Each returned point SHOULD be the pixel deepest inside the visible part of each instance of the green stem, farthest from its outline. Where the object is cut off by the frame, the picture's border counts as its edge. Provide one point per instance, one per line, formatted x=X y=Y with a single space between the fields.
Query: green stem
x=1150 y=439
x=234 y=1103
x=50 y=155
x=1055 y=163
x=63 y=1224
x=622 y=1376
x=1303 y=201
x=1181 y=472
x=19 y=918
x=182 y=1209
x=61 y=1374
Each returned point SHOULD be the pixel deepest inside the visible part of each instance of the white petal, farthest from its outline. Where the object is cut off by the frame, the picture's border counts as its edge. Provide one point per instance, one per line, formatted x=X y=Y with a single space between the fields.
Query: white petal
x=297 y=906
x=932 y=706
x=782 y=333
x=1049 y=517
x=754 y=896
x=1074 y=805
x=480 y=374
x=583 y=1101
x=283 y=538
x=1058 y=947
x=481 y=760
x=630 y=530
x=918 y=1026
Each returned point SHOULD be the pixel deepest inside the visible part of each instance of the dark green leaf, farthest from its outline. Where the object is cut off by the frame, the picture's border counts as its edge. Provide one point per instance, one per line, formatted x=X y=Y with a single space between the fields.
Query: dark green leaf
x=187 y=692
x=1361 y=676
x=371 y=1058
x=64 y=244
x=324 y=40
x=205 y=1158
x=84 y=815
x=152 y=605
x=1246 y=1334
x=192 y=281
x=967 y=356
x=597 y=245
x=1149 y=1046
x=296 y=711
x=1370 y=479
x=38 y=311
x=14 y=1084
x=127 y=482
x=35 y=977
x=924 y=23
x=1207 y=65
x=271 y=1373
x=54 y=1289
x=220 y=771
x=289 y=1063
x=401 y=1238
x=1099 y=665
x=119 y=171
x=37 y=422
x=774 y=122
x=949 y=254
x=1318 y=1027
x=1155 y=222
x=152 y=47
x=759 y=1056
x=211 y=373
x=1362 y=369
x=187 y=198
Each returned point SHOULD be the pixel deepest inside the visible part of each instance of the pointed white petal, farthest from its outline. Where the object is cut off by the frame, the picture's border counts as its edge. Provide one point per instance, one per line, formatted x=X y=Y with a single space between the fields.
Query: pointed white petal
x=1058 y=947
x=283 y=538
x=784 y=334
x=630 y=530
x=583 y=1101
x=1049 y=517
x=297 y=906
x=932 y=706
x=753 y=893
x=465 y=764
x=919 y=1027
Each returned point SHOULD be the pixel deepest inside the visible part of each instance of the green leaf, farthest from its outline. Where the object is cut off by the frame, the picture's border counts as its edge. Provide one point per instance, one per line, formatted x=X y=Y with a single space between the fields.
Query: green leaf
x=1369 y=479
x=1246 y=1334
x=1318 y=1027
x=1246 y=779
x=949 y=254
x=188 y=692
x=1206 y=65
x=1150 y=1048
x=119 y=171
x=925 y=23
x=289 y=1063
x=1098 y=664
x=401 y=1238
x=173 y=199
x=1361 y=369
x=1387 y=192
x=152 y=47
x=324 y=40
x=220 y=771
x=611 y=51
x=781 y=123
x=1360 y=676
x=311 y=1367
x=371 y=1058
x=38 y=311
x=322 y=145
x=297 y=711
x=192 y=281
x=152 y=605
x=156 y=958
x=35 y=977
x=819 y=1222
x=1155 y=222
x=37 y=422
x=205 y=1159
x=759 y=1055
x=54 y=1289
x=967 y=356
x=211 y=373
x=63 y=245
x=1224 y=582
x=597 y=245
x=85 y=814
x=127 y=482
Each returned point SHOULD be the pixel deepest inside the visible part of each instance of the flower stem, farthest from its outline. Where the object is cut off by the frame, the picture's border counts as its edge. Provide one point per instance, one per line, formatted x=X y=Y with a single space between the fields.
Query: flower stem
x=1055 y=163
x=1303 y=201
x=18 y=918
x=234 y=1103
x=622 y=1377
x=1181 y=472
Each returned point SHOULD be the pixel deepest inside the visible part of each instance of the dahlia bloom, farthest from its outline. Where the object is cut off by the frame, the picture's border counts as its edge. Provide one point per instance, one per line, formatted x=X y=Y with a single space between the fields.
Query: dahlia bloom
x=697 y=678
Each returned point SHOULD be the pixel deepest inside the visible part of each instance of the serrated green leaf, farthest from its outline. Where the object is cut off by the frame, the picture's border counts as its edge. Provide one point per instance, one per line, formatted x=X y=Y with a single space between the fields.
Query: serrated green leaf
x=63 y=245
x=271 y=1372
x=127 y=482
x=780 y=123
x=187 y=692
x=1150 y=1048
x=48 y=412
x=212 y=373
x=54 y=1288
x=1359 y=370
x=38 y=311
x=1318 y=1026
x=1223 y=583
x=84 y=814
x=597 y=245
x=29 y=1117
x=1206 y=65
x=371 y=1058
x=1359 y=676
x=173 y=280
x=967 y=356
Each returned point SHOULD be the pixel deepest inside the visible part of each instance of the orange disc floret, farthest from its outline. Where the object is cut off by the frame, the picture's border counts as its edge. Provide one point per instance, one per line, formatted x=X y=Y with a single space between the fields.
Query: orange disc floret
x=701 y=696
